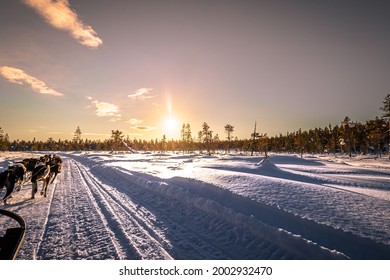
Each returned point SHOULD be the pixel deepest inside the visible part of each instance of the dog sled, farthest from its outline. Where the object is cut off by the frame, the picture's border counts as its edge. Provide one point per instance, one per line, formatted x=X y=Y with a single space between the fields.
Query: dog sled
x=12 y=240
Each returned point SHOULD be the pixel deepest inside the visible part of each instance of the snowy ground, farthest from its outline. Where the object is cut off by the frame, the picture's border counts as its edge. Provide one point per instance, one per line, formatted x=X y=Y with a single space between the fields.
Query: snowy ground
x=174 y=206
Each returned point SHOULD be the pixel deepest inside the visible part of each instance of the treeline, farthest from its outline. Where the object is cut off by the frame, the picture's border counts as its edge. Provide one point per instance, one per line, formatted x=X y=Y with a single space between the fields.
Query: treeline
x=349 y=137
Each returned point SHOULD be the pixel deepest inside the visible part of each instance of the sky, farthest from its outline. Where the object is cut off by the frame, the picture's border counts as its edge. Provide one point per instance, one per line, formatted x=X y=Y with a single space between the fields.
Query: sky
x=145 y=67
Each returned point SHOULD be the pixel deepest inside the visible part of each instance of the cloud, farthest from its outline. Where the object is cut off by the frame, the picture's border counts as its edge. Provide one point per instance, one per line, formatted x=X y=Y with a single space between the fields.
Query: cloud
x=136 y=125
x=144 y=128
x=134 y=121
x=142 y=93
x=61 y=16
x=18 y=76
x=104 y=109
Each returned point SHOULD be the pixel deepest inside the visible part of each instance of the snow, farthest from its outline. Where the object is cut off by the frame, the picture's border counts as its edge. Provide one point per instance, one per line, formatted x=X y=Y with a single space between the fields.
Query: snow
x=174 y=206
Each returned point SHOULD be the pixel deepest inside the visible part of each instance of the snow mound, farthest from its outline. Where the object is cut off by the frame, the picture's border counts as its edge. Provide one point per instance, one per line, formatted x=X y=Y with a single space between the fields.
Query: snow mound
x=267 y=166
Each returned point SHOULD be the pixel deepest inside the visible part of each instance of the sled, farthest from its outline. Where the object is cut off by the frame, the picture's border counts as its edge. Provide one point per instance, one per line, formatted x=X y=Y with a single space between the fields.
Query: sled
x=12 y=240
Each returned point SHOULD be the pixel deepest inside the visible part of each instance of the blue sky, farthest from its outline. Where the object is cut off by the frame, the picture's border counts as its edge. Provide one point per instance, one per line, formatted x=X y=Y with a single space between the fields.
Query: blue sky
x=132 y=65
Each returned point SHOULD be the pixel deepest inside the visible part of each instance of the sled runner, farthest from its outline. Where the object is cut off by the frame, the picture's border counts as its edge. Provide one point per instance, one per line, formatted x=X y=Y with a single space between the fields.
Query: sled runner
x=11 y=241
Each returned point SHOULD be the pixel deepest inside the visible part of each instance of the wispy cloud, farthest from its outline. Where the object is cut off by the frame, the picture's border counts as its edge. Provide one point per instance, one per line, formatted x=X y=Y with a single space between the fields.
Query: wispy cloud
x=134 y=121
x=136 y=125
x=142 y=93
x=105 y=109
x=18 y=76
x=144 y=128
x=59 y=14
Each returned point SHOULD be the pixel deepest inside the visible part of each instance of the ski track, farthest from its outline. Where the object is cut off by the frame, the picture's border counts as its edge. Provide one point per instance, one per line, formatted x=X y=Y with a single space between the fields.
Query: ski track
x=95 y=211
x=167 y=219
x=132 y=236
x=75 y=229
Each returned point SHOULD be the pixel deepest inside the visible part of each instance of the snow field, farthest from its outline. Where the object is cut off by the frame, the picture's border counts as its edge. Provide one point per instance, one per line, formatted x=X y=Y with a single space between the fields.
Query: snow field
x=169 y=206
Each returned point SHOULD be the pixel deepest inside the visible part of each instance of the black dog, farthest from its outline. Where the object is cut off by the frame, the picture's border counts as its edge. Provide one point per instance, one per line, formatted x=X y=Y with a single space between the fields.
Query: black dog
x=55 y=166
x=46 y=171
x=41 y=172
x=10 y=177
x=30 y=164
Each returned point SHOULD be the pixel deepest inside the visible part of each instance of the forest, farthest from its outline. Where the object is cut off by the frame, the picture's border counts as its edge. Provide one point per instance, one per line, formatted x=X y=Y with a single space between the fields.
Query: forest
x=349 y=137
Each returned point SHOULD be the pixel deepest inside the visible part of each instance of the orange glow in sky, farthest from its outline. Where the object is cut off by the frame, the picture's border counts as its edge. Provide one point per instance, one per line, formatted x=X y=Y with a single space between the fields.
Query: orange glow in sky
x=147 y=67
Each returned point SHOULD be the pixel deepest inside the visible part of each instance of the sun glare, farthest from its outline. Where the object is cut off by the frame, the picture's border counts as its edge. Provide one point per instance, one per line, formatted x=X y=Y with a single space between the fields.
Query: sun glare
x=170 y=124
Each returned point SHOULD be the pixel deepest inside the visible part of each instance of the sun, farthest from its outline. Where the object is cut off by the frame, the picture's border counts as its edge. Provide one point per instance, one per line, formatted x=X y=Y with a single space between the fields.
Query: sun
x=170 y=124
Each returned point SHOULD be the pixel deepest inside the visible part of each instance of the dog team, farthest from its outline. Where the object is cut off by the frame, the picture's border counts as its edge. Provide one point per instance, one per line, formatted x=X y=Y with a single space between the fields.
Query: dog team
x=45 y=169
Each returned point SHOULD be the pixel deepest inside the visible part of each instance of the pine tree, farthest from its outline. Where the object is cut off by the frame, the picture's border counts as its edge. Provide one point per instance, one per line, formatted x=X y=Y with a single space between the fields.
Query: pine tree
x=188 y=137
x=348 y=134
x=255 y=136
x=1 y=139
x=77 y=134
x=229 y=130
x=207 y=137
x=183 y=137
x=163 y=144
x=386 y=107
x=215 y=143
x=77 y=138
x=386 y=114
x=264 y=141
x=4 y=140
x=116 y=137
x=299 y=142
